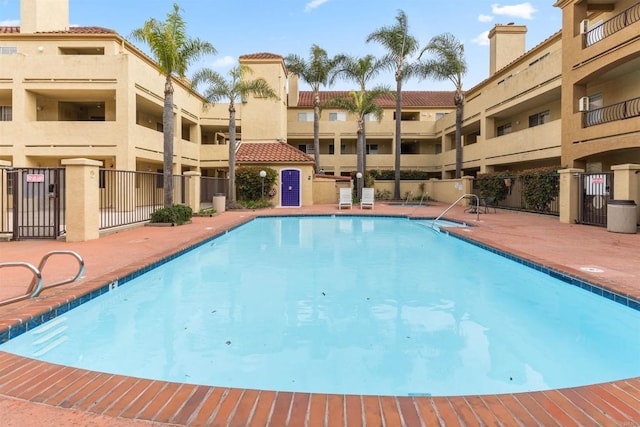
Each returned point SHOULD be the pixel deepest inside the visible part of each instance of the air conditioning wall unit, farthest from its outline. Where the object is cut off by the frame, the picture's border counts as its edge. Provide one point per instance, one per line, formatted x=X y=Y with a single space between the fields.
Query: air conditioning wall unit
x=584 y=26
x=583 y=104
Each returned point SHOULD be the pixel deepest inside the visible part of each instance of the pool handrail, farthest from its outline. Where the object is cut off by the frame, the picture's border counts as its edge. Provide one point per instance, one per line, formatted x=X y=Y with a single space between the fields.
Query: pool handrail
x=37 y=277
x=35 y=287
x=464 y=196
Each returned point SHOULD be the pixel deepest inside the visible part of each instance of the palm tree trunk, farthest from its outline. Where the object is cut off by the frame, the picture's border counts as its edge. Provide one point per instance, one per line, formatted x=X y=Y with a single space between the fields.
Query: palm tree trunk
x=396 y=187
x=458 y=139
x=364 y=155
x=232 y=153
x=167 y=129
x=360 y=150
x=316 y=134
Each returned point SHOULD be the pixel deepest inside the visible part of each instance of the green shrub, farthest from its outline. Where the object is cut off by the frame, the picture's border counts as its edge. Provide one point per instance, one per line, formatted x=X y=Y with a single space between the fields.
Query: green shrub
x=249 y=183
x=540 y=187
x=255 y=204
x=390 y=175
x=176 y=214
x=493 y=185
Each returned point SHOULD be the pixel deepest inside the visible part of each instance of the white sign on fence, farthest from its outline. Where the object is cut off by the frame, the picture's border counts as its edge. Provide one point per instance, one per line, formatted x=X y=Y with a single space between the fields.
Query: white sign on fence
x=35 y=177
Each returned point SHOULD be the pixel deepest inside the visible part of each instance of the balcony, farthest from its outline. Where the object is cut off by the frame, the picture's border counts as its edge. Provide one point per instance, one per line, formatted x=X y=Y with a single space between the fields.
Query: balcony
x=611 y=26
x=611 y=113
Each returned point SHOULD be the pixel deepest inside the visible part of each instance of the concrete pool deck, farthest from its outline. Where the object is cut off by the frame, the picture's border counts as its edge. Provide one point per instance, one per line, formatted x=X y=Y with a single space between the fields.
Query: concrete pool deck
x=35 y=393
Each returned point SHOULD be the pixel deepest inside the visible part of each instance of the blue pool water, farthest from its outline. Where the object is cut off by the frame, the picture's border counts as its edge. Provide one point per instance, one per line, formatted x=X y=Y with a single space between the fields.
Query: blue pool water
x=348 y=305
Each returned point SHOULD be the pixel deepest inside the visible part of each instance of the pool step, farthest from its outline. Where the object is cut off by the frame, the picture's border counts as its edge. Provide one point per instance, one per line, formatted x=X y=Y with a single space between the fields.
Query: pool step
x=49 y=336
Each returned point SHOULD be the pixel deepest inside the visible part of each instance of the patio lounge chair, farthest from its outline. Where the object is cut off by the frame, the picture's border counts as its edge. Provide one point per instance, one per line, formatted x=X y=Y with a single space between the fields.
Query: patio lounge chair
x=488 y=203
x=367 y=198
x=345 y=198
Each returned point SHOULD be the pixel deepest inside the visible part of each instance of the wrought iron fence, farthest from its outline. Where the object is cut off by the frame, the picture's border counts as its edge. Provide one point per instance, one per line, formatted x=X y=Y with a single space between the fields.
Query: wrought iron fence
x=595 y=190
x=130 y=197
x=209 y=187
x=611 y=26
x=611 y=113
x=522 y=194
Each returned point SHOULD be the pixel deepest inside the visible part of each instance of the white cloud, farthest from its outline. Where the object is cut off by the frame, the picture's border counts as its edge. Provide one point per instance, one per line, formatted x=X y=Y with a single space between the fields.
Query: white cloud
x=314 y=4
x=10 y=23
x=522 y=10
x=481 y=39
x=225 y=61
x=485 y=18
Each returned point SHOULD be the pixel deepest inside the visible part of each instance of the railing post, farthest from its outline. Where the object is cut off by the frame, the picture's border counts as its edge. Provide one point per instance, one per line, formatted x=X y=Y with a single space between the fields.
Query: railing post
x=193 y=194
x=627 y=183
x=83 y=202
x=4 y=196
x=569 y=194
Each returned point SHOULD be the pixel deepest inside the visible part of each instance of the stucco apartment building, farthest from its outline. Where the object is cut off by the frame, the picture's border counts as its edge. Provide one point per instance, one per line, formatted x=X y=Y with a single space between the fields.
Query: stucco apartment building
x=572 y=102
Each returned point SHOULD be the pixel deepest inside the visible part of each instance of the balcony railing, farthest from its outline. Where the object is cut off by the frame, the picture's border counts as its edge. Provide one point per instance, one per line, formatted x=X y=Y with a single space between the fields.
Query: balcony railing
x=611 y=113
x=611 y=26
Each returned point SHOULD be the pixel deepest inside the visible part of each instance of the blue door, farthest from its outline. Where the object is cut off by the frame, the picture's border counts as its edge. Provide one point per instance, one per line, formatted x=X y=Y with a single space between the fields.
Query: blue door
x=290 y=187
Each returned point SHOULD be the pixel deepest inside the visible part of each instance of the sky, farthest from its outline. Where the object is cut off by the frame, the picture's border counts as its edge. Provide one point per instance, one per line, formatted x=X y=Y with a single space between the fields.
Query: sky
x=285 y=27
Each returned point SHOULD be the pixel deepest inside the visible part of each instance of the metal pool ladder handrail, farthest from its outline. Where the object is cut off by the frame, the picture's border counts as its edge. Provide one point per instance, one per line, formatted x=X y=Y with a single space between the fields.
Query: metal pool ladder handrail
x=35 y=287
x=464 y=196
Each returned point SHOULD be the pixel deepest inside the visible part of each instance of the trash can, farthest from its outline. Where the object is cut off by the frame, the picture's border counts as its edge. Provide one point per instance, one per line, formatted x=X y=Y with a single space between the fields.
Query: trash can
x=622 y=216
x=219 y=202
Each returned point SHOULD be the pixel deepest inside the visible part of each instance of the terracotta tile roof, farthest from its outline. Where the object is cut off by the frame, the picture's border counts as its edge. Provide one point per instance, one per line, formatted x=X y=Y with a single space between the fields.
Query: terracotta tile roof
x=261 y=55
x=275 y=152
x=409 y=98
x=71 y=30
x=9 y=30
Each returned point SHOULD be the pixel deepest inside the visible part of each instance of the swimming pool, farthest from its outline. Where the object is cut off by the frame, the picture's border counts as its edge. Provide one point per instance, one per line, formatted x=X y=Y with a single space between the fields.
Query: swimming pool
x=368 y=303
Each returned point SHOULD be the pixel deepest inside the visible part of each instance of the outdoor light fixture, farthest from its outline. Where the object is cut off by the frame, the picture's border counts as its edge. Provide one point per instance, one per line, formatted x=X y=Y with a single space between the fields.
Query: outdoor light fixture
x=262 y=175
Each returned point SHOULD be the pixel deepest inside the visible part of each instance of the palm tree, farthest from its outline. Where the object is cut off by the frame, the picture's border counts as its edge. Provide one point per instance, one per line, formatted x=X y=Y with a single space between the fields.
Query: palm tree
x=315 y=72
x=359 y=70
x=448 y=64
x=173 y=51
x=400 y=46
x=360 y=103
x=236 y=88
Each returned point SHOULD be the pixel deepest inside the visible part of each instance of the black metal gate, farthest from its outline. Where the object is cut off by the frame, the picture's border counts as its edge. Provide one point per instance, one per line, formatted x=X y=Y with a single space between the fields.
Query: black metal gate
x=38 y=208
x=596 y=189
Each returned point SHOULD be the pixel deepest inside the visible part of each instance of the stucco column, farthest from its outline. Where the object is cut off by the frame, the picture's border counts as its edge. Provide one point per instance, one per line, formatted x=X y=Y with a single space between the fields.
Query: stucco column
x=569 y=194
x=193 y=190
x=626 y=183
x=4 y=199
x=82 y=199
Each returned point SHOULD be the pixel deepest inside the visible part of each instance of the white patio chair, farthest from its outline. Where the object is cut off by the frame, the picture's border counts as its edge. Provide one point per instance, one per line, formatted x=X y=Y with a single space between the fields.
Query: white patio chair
x=368 y=198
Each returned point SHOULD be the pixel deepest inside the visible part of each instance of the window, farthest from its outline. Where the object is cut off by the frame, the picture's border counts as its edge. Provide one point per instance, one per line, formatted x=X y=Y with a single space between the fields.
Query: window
x=337 y=117
x=305 y=117
x=504 y=129
x=438 y=148
x=413 y=116
x=372 y=148
x=343 y=149
x=440 y=115
x=8 y=50
x=81 y=50
x=370 y=117
x=101 y=178
x=306 y=148
x=539 y=119
x=595 y=114
x=6 y=113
